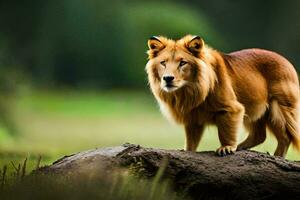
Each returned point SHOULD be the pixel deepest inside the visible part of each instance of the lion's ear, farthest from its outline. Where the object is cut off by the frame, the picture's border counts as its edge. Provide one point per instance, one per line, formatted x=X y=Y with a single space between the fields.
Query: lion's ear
x=155 y=45
x=195 y=45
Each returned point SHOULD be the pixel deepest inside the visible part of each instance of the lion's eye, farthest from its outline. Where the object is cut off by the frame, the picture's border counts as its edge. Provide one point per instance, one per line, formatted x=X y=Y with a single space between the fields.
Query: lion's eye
x=182 y=63
x=163 y=63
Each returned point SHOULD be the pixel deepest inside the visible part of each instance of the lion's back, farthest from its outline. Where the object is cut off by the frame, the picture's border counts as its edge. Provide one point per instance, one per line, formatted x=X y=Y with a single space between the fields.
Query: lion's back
x=273 y=66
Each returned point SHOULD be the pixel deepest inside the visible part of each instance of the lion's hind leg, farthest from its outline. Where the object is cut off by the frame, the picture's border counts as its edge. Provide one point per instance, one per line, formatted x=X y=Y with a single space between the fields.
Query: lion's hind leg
x=257 y=134
x=283 y=124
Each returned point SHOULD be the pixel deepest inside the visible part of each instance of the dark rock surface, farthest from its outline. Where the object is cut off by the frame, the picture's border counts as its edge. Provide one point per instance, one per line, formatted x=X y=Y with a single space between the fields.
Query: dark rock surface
x=201 y=175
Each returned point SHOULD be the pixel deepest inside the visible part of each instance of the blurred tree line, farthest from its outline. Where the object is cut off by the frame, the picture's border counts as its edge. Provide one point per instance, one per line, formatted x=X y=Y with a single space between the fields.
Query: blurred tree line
x=102 y=44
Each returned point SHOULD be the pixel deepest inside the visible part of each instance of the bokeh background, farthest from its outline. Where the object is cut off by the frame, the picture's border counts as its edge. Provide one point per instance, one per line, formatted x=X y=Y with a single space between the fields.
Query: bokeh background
x=72 y=71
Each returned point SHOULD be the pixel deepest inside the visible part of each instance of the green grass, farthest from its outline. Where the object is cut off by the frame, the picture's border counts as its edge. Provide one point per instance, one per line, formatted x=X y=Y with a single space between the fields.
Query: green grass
x=110 y=185
x=53 y=124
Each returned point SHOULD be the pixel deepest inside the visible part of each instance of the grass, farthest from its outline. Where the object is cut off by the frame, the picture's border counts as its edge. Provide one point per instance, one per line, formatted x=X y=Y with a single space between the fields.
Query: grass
x=112 y=185
x=53 y=124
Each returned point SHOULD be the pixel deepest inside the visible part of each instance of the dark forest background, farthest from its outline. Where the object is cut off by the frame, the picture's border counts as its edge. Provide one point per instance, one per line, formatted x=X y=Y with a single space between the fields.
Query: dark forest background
x=102 y=44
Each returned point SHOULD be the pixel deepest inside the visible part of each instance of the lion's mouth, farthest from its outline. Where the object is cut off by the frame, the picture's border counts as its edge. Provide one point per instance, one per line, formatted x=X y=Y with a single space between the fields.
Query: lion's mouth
x=170 y=87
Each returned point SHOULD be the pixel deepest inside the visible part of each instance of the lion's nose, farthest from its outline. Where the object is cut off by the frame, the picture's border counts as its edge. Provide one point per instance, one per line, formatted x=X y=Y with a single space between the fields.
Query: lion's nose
x=168 y=79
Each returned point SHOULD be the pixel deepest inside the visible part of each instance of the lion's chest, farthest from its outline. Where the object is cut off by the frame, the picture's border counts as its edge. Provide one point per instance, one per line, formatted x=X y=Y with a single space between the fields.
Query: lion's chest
x=198 y=115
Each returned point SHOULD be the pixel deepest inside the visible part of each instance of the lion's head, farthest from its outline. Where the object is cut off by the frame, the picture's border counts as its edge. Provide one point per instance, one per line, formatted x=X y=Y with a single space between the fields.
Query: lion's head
x=179 y=67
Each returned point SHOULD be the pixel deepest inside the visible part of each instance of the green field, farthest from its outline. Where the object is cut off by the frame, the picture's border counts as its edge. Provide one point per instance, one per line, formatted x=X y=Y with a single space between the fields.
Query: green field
x=53 y=124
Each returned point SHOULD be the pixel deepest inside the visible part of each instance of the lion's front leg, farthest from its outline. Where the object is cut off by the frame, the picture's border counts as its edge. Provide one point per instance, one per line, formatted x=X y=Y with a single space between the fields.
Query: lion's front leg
x=228 y=123
x=193 y=134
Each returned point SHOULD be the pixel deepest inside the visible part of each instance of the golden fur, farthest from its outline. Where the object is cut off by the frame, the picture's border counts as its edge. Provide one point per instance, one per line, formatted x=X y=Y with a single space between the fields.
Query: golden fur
x=254 y=87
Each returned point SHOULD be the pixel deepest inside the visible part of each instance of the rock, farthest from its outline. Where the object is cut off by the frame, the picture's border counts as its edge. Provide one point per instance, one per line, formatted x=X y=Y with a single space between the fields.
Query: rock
x=201 y=175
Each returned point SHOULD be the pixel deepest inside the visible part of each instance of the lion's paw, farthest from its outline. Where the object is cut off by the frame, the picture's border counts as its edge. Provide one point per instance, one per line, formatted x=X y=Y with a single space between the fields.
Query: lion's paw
x=226 y=150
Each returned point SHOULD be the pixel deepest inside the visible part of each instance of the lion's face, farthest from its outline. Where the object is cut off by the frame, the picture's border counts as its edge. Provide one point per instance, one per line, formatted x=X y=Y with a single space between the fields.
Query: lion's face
x=174 y=69
x=173 y=64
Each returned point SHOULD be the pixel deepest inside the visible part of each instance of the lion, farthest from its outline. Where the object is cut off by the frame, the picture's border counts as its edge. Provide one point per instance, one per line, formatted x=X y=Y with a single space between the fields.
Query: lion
x=197 y=86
